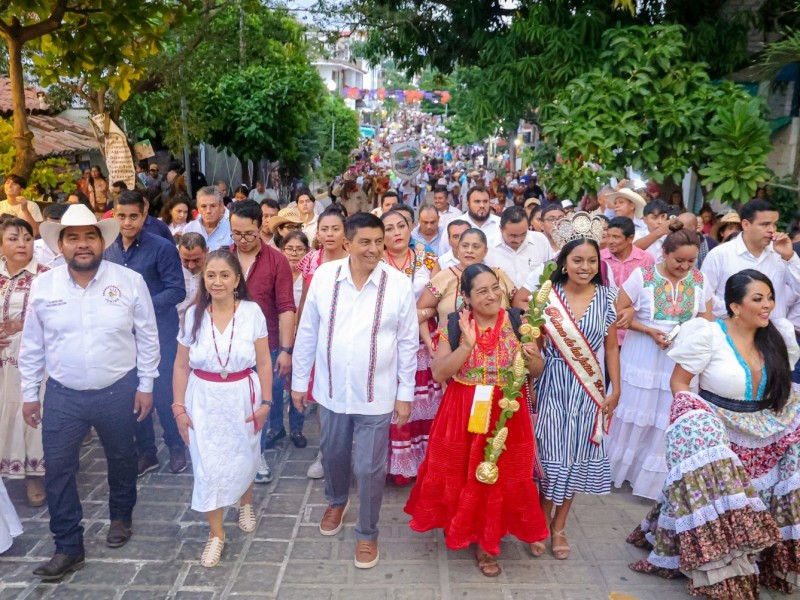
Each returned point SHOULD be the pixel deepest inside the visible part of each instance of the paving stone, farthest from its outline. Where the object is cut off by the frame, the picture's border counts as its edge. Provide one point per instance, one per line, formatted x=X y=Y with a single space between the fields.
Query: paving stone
x=279 y=528
x=397 y=573
x=415 y=593
x=67 y=592
x=318 y=572
x=157 y=574
x=285 y=504
x=291 y=592
x=256 y=579
x=361 y=593
x=322 y=550
x=149 y=594
x=11 y=593
x=193 y=595
x=96 y=572
x=259 y=552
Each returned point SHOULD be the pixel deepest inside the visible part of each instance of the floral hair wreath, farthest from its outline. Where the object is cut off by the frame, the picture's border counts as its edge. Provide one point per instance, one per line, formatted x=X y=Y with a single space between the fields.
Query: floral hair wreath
x=578 y=226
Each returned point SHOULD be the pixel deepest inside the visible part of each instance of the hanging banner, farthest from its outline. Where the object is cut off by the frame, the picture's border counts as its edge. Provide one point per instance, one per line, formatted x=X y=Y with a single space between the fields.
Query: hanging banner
x=144 y=150
x=406 y=159
x=116 y=152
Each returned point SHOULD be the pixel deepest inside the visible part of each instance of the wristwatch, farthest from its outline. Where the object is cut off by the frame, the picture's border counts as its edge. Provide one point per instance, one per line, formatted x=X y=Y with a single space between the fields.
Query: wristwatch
x=287 y=349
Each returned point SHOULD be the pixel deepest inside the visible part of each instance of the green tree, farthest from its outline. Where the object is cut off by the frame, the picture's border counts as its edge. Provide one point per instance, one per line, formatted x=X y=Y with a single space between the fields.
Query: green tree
x=92 y=38
x=341 y=122
x=647 y=107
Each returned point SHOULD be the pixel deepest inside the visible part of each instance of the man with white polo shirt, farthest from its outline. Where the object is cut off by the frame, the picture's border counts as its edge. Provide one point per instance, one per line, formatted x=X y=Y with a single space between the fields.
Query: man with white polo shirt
x=517 y=251
x=454 y=230
x=761 y=247
x=429 y=230
x=91 y=331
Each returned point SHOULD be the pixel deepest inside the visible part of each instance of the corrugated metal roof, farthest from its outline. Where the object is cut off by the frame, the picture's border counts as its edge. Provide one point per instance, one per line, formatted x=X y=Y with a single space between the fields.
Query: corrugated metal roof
x=32 y=102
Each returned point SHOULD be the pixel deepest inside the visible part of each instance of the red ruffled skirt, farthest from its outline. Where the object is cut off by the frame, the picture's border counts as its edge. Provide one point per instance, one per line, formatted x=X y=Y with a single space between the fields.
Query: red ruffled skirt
x=447 y=495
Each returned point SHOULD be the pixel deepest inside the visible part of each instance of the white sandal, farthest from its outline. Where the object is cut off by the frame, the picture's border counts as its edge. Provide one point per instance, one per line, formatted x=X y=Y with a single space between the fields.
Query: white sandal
x=247 y=518
x=212 y=552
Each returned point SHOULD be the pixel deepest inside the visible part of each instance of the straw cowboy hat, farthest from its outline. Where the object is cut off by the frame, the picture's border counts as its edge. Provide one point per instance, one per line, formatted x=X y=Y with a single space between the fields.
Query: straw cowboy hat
x=78 y=215
x=285 y=215
x=628 y=194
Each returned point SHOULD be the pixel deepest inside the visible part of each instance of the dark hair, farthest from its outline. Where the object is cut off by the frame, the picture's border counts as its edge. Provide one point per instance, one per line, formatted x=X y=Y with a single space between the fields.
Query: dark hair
x=440 y=189
x=15 y=223
x=749 y=211
x=656 y=206
x=166 y=212
x=18 y=179
x=624 y=224
x=82 y=199
x=361 y=220
x=302 y=190
x=473 y=189
x=55 y=211
x=406 y=209
x=552 y=208
x=241 y=189
x=334 y=210
x=537 y=208
x=723 y=228
x=395 y=211
x=513 y=214
x=295 y=235
x=560 y=274
x=271 y=203
x=705 y=208
x=427 y=207
x=176 y=165
x=120 y=184
x=203 y=299
x=247 y=209
x=469 y=275
x=768 y=341
x=679 y=236
x=389 y=193
x=131 y=198
x=192 y=240
x=475 y=231
x=456 y=223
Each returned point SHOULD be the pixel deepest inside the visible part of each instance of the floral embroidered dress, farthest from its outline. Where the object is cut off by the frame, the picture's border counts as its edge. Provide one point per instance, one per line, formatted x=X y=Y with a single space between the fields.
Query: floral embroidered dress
x=21 y=452
x=635 y=443
x=407 y=444
x=729 y=518
x=447 y=494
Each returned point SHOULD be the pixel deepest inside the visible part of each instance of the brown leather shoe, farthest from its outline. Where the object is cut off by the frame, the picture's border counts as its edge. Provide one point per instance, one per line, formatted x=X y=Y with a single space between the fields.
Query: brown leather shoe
x=332 y=520
x=34 y=488
x=367 y=555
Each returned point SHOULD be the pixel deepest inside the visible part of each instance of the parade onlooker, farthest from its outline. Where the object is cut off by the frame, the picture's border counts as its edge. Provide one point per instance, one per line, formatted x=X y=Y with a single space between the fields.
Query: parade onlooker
x=663 y=296
x=91 y=329
x=98 y=191
x=306 y=201
x=287 y=219
x=429 y=231
x=269 y=208
x=177 y=214
x=517 y=250
x=447 y=494
x=629 y=204
x=726 y=227
x=388 y=200
x=479 y=214
x=158 y=262
x=192 y=249
x=21 y=453
x=621 y=254
x=16 y=204
x=573 y=410
x=210 y=222
x=454 y=230
x=358 y=327
x=269 y=283
x=41 y=251
x=294 y=246
x=760 y=246
x=220 y=403
x=447 y=212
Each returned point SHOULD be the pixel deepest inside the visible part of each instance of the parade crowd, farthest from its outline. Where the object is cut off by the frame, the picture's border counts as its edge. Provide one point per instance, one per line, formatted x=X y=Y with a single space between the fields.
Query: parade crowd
x=497 y=348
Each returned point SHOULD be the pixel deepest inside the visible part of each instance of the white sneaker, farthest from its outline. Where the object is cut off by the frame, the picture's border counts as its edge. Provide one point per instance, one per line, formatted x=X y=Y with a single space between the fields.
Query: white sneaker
x=264 y=474
x=315 y=470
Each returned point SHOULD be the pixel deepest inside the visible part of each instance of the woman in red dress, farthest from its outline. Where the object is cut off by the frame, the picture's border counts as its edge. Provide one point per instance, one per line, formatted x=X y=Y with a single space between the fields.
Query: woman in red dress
x=447 y=494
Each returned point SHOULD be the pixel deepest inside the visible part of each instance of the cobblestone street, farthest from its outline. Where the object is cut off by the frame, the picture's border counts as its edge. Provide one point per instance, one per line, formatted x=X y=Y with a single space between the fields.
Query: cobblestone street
x=286 y=558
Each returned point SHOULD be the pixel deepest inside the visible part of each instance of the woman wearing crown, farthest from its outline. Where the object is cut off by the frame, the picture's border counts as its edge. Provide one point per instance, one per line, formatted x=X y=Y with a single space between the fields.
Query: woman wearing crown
x=573 y=406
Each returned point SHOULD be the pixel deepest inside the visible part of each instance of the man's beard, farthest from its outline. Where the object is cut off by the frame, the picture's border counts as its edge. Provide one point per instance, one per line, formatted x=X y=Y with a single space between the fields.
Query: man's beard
x=477 y=218
x=93 y=265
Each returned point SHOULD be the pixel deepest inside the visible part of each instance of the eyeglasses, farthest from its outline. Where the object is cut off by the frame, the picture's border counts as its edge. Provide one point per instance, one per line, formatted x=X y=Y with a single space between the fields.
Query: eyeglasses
x=294 y=226
x=290 y=250
x=247 y=237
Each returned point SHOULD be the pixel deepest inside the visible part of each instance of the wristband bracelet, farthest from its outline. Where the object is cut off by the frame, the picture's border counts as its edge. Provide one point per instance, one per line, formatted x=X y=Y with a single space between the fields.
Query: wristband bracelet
x=267 y=403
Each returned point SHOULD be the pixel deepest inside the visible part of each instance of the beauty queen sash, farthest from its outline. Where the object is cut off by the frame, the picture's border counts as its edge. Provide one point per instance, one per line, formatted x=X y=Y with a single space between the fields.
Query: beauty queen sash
x=562 y=330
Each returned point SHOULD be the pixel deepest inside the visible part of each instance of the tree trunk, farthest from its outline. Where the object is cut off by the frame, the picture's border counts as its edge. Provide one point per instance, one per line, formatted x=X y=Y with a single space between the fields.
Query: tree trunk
x=25 y=158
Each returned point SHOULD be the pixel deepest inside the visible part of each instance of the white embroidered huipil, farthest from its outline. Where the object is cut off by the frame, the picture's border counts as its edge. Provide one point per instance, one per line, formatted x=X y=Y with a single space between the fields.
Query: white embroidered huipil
x=733 y=256
x=363 y=342
x=89 y=338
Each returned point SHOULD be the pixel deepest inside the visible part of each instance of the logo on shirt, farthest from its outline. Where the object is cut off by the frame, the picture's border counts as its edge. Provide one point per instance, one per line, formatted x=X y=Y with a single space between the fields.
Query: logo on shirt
x=112 y=294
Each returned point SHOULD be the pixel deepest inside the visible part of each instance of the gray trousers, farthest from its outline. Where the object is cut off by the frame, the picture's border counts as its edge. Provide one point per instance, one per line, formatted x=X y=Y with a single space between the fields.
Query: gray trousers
x=371 y=435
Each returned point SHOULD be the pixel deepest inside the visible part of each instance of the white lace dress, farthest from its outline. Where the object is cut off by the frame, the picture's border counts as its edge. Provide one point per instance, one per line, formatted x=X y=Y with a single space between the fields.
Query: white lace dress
x=10 y=527
x=225 y=450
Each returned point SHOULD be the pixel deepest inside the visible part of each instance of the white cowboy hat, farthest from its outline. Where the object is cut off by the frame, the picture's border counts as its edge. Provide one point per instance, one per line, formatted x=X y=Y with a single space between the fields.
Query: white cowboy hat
x=78 y=215
x=638 y=202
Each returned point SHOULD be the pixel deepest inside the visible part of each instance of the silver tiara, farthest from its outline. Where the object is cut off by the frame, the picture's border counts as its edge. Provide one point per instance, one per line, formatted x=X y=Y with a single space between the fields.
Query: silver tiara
x=579 y=225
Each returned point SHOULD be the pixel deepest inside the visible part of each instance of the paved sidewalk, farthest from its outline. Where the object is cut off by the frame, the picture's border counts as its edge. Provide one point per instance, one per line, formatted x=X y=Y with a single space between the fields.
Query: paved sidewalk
x=287 y=559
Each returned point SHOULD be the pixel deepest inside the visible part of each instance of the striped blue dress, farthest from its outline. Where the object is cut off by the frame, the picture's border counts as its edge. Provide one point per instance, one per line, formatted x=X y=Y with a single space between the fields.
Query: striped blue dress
x=571 y=463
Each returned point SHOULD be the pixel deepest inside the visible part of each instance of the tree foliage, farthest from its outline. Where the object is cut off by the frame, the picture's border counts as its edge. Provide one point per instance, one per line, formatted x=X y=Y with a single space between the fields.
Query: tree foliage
x=345 y=137
x=648 y=107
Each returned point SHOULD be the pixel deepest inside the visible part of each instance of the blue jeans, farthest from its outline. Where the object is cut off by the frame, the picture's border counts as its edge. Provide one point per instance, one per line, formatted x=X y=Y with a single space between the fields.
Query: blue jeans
x=275 y=420
x=66 y=417
x=162 y=402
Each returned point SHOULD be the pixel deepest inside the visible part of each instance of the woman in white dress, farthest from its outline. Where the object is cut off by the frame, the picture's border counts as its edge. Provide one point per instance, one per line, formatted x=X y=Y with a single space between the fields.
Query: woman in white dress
x=21 y=452
x=10 y=527
x=663 y=296
x=220 y=403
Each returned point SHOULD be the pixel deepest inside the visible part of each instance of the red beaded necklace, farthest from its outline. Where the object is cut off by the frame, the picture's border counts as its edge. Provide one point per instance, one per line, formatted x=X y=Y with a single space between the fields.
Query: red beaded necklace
x=224 y=372
x=487 y=341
